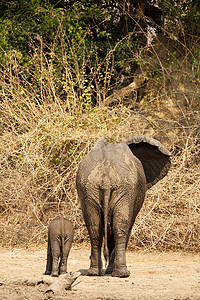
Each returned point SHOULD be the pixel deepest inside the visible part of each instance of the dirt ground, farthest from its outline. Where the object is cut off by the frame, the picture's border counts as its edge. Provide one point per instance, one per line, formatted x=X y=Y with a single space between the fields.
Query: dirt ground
x=153 y=276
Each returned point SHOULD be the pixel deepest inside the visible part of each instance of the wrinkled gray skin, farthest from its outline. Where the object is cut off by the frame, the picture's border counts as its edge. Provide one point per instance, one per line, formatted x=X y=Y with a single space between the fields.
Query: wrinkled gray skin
x=60 y=237
x=111 y=183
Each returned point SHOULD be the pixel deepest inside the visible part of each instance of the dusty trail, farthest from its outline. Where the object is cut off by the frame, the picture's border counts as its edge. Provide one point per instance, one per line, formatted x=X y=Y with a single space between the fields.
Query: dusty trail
x=153 y=276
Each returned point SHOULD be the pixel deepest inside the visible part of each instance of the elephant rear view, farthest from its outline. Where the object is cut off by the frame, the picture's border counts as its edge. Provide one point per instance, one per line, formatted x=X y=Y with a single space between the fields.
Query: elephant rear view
x=111 y=183
x=60 y=237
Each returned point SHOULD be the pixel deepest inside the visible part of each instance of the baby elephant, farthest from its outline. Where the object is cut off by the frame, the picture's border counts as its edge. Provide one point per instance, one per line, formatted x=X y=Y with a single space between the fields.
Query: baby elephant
x=60 y=237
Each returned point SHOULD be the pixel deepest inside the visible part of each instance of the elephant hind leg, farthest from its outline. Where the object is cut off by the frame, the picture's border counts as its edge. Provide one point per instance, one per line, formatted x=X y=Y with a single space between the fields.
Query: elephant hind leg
x=121 y=229
x=120 y=268
x=96 y=262
x=63 y=264
x=95 y=230
x=56 y=254
x=64 y=255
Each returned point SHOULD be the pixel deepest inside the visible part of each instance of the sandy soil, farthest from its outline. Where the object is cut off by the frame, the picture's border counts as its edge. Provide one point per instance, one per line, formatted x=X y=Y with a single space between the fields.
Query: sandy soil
x=153 y=276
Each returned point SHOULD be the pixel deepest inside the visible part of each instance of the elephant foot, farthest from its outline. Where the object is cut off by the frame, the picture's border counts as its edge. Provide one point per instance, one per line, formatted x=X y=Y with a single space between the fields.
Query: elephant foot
x=47 y=273
x=63 y=272
x=94 y=272
x=109 y=269
x=54 y=274
x=122 y=273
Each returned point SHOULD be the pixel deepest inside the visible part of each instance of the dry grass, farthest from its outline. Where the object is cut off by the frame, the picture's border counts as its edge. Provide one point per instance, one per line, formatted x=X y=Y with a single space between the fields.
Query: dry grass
x=43 y=139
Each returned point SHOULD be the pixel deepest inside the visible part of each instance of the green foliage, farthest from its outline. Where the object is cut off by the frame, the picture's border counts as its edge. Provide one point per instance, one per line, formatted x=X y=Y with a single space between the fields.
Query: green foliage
x=74 y=43
x=182 y=18
x=84 y=48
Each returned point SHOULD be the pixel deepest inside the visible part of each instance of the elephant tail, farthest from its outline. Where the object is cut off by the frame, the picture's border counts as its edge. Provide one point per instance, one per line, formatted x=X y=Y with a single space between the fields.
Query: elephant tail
x=106 y=193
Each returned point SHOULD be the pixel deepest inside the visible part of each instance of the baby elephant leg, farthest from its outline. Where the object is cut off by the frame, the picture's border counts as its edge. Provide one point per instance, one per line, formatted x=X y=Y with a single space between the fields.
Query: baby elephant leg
x=67 y=242
x=49 y=260
x=56 y=254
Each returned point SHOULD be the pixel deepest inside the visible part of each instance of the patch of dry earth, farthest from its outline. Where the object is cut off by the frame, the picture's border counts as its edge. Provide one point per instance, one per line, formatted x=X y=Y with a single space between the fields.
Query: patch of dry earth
x=153 y=276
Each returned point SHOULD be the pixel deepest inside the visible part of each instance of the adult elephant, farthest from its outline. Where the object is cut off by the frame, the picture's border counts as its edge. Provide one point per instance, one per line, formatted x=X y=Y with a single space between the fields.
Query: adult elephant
x=111 y=183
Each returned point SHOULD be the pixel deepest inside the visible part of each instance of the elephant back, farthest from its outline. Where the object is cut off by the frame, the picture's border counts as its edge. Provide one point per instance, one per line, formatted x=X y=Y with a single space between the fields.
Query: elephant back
x=108 y=164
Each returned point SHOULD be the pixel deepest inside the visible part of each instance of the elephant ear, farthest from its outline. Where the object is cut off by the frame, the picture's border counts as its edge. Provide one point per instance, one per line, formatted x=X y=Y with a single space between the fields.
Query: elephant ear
x=155 y=158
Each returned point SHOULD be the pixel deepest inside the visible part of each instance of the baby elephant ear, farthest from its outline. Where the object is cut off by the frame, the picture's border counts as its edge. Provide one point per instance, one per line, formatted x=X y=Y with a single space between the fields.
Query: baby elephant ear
x=154 y=157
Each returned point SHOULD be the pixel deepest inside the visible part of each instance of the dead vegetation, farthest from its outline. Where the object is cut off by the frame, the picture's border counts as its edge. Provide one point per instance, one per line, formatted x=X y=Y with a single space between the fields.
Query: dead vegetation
x=42 y=142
